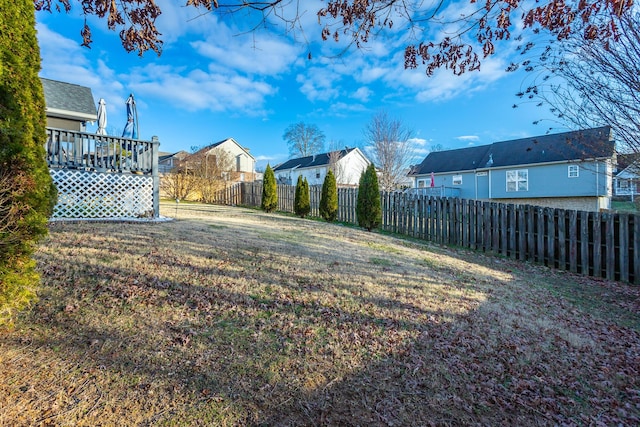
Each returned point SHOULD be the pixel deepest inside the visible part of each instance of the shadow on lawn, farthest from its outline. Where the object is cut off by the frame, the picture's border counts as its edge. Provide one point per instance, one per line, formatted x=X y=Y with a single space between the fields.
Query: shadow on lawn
x=298 y=346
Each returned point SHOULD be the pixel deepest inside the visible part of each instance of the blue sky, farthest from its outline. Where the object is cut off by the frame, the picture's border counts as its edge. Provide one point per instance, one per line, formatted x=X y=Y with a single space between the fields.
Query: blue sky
x=216 y=80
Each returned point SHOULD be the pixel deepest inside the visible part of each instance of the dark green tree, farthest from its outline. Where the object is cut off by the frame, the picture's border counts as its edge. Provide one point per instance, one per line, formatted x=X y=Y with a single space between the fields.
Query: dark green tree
x=269 y=191
x=329 y=198
x=368 y=209
x=302 y=202
x=27 y=193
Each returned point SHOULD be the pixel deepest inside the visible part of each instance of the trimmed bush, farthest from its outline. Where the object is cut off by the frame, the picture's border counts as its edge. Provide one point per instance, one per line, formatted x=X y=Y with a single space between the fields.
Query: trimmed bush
x=269 y=191
x=302 y=201
x=368 y=209
x=329 y=198
x=27 y=193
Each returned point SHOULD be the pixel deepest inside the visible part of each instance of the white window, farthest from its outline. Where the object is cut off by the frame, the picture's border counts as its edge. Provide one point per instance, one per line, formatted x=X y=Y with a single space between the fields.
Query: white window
x=421 y=183
x=518 y=180
x=317 y=173
x=457 y=179
x=574 y=171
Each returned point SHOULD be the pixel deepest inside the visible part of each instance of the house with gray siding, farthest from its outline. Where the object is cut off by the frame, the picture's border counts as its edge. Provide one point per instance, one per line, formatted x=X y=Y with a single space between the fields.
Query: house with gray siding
x=571 y=170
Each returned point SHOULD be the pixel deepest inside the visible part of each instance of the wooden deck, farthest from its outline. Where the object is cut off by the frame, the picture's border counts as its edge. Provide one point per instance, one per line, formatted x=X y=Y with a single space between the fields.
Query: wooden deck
x=102 y=176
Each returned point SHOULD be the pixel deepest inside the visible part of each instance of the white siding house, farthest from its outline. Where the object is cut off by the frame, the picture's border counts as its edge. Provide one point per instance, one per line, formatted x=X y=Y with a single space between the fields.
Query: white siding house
x=347 y=166
x=240 y=165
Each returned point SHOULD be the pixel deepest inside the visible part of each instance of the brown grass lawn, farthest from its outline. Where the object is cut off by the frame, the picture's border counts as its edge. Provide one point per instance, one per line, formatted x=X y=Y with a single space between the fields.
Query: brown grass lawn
x=230 y=316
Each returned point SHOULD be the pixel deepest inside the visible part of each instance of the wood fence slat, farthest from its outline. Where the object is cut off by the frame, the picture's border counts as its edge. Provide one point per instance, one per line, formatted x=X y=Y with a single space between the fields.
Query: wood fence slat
x=623 y=246
x=473 y=233
x=495 y=229
x=610 y=253
x=486 y=227
x=551 y=240
x=522 y=234
x=584 y=243
x=531 y=233
x=597 y=244
x=562 y=243
x=513 y=228
x=504 y=230
x=573 y=241
x=540 y=223
x=635 y=238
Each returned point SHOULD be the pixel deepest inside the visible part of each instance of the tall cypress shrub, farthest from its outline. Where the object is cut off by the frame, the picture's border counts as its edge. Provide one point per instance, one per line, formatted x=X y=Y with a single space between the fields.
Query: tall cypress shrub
x=329 y=198
x=368 y=209
x=27 y=193
x=302 y=201
x=269 y=191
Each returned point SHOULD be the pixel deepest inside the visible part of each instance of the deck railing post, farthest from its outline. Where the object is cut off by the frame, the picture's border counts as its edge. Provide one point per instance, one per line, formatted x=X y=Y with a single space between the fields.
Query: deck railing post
x=155 y=145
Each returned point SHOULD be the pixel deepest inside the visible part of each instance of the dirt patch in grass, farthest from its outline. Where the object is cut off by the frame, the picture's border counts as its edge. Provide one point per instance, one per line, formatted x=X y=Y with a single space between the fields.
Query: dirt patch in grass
x=229 y=316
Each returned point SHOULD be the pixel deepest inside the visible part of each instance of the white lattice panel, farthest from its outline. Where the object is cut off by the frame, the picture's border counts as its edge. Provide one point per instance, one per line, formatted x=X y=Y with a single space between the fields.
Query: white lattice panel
x=83 y=194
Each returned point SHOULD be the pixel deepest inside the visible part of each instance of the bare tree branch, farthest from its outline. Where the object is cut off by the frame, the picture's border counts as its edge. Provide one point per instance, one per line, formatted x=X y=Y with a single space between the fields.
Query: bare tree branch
x=391 y=151
x=360 y=20
x=594 y=83
x=304 y=139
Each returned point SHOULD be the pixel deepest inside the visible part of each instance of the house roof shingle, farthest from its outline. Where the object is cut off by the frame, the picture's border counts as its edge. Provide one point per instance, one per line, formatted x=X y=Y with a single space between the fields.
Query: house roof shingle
x=201 y=153
x=566 y=146
x=310 y=161
x=69 y=100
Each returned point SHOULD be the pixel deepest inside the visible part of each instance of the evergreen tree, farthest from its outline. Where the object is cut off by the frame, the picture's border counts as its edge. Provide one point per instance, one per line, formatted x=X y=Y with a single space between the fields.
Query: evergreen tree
x=269 y=191
x=302 y=202
x=27 y=193
x=329 y=198
x=368 y=209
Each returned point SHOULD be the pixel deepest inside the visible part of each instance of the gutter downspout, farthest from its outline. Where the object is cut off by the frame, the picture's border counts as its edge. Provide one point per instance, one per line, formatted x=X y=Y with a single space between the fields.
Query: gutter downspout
x=475 y=177
x=489 y=184
x=597 y=186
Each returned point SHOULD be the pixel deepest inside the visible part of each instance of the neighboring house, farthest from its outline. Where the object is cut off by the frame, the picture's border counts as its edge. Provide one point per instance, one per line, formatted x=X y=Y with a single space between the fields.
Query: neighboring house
x=626 y=179
x=226 y=158
x=68 y=106
x=168 y=161
x=347 y=166
x=571 y=170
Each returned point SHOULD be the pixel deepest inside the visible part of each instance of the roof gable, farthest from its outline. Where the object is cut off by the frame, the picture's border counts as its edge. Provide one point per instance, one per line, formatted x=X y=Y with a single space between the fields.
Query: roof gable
x=203 y=151
x=568 y=146
x=311 y=161
x=69 y=100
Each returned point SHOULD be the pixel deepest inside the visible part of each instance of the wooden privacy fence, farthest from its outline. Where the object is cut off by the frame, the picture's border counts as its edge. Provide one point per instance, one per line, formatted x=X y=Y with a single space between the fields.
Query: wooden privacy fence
x=598 y=244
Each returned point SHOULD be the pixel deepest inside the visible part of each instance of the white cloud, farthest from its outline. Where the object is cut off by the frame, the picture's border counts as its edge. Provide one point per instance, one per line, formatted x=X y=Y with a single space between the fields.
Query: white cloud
x=421 y=142
x=319 y=84
x=362 y=94
x=200 y=90
x=469 y=138
x=266 y=55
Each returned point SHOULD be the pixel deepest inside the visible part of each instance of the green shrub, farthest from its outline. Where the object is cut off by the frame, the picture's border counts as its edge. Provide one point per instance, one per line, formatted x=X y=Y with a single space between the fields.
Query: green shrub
x=368 y=209
x=302 y=201
x=27 y=193
x=329 y=198
x=269 y=191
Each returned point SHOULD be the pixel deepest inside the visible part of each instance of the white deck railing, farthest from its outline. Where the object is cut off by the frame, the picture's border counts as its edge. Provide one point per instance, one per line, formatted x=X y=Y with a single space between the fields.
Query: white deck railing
x=101 y=176
x=101 y=153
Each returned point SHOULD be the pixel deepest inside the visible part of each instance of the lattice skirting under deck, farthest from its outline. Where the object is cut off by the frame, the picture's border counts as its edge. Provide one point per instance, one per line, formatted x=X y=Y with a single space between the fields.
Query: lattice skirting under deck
x=84 y=194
